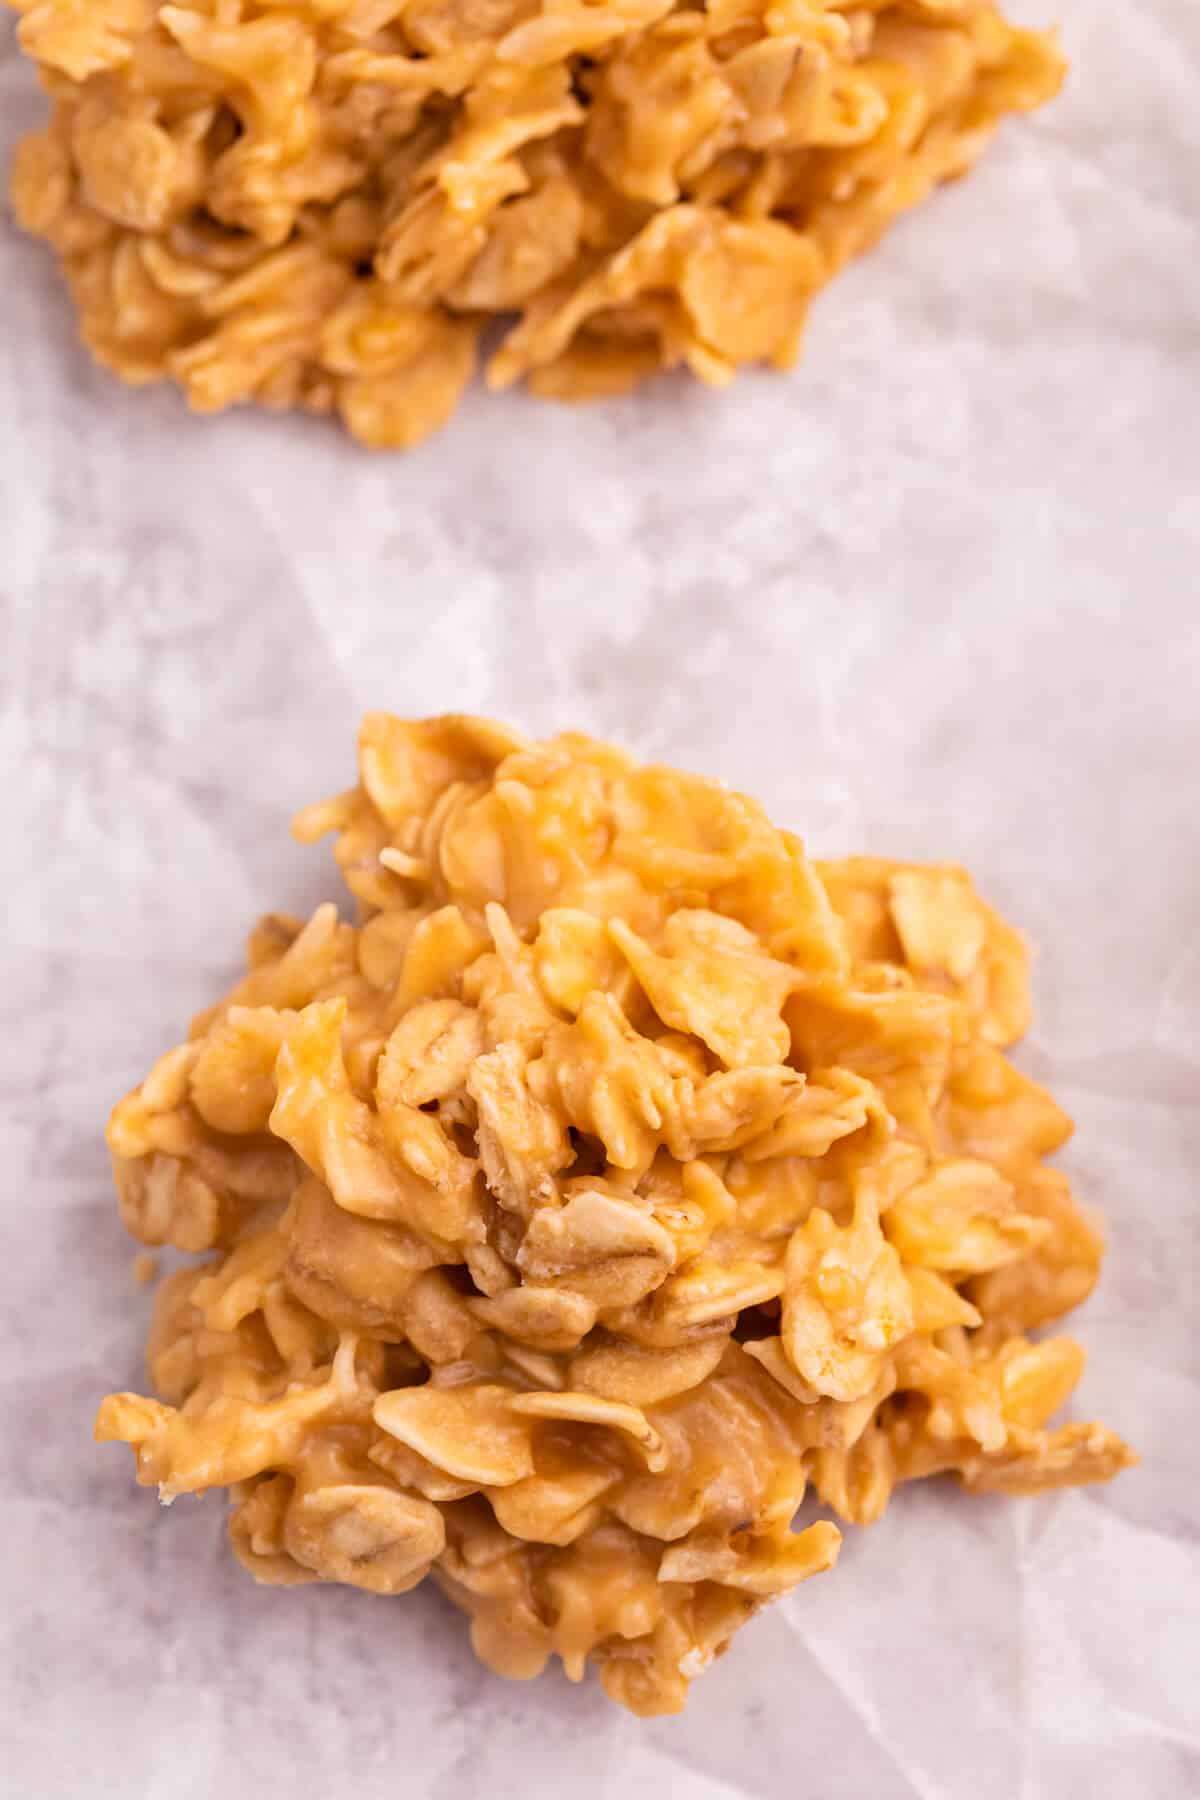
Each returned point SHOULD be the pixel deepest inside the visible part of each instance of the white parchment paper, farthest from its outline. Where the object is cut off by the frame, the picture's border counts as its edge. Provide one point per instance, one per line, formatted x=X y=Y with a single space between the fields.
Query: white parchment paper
x=936 y=595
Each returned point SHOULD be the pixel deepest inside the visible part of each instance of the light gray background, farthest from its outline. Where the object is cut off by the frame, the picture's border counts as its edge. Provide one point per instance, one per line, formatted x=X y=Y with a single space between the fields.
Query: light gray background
x=934 y=596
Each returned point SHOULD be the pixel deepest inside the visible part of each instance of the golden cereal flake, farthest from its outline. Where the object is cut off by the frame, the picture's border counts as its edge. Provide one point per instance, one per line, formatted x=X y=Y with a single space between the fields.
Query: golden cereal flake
x=321 y=204
x=618 y=1176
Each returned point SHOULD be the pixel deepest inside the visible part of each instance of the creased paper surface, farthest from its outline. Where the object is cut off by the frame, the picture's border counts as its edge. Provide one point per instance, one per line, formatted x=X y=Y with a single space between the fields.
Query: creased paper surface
x=934 y=596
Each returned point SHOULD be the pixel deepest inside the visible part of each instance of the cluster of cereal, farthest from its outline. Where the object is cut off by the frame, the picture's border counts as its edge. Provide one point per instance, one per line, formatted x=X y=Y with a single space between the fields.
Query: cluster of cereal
x=320 y=203
x=621 y=1174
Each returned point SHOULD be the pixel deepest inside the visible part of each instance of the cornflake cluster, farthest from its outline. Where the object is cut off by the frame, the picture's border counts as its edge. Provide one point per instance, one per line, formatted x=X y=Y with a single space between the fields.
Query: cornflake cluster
x=619 y=1176
x=321 y=203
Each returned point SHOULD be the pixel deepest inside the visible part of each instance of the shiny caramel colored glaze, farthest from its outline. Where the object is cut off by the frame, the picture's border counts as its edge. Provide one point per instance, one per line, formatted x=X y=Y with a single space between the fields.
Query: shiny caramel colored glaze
x=617 y=1177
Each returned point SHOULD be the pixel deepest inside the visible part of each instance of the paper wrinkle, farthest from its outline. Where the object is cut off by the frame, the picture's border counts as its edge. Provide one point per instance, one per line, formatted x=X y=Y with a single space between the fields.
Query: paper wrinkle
x=913 y=1783
x=934 y=596
x=1157 y=1728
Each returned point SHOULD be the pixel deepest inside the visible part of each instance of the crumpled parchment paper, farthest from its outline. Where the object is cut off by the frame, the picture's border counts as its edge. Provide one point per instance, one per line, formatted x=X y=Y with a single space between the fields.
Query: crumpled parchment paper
x=936 y=596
